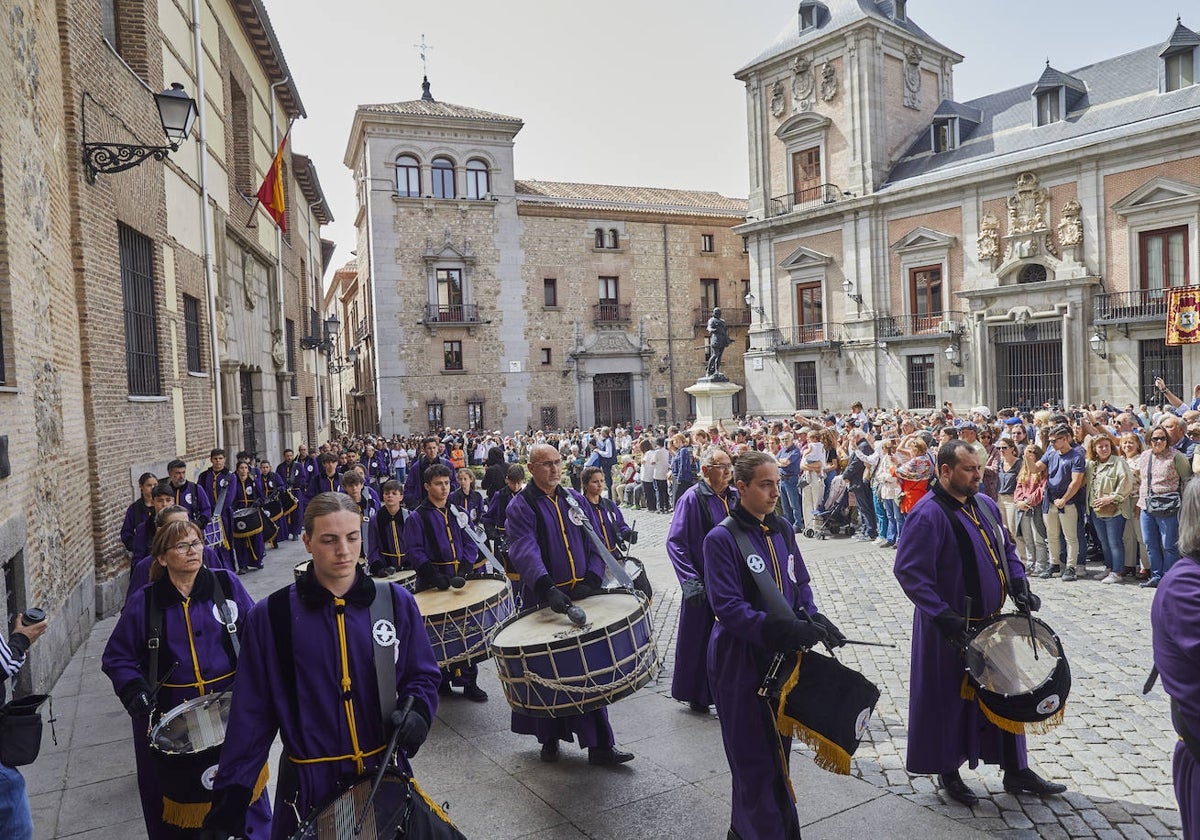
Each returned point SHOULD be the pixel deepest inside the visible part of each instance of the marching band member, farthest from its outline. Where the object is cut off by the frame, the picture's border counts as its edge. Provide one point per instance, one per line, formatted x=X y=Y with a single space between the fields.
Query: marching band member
x=353 y=486
x=389 y=526
x=605 y=515
x=189 y=494
x=326 y=478
x=140 y=512
x=466 y=498
x=248 y=550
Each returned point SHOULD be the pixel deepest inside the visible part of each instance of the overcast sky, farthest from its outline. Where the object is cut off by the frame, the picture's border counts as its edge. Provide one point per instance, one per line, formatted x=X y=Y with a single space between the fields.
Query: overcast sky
x=636 y=91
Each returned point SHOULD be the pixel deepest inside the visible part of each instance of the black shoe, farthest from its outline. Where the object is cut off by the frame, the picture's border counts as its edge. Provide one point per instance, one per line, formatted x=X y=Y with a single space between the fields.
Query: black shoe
x=606 y=756
x=1150 y=583
x=475 y=694
x=957 y=789
x=444 y=689
x=1026 y=781
x=1068 y=574
x=550 y=751
x=242 y=570
x=701 y=708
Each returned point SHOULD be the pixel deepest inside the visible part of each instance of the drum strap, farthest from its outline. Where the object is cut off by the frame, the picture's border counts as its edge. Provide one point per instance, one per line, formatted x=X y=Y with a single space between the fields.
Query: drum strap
x=617 y=569
x=154 y=634
x=279 y=612
x=383 y=608
x=219 y=504
x=226 y=616
x=774 y=602
x=966 y=550
x=477 y=538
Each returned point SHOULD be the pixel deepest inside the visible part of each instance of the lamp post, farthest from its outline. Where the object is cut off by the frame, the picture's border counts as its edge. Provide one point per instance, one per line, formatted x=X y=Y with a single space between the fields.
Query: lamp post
x=177 y=113
x=848 y=288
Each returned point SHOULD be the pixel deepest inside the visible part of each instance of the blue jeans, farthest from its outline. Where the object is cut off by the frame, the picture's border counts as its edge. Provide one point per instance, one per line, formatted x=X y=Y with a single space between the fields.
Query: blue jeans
x=891 y=510
x=1161 y=534
x=1111 y=532
x=16 y=821
x=790 y=487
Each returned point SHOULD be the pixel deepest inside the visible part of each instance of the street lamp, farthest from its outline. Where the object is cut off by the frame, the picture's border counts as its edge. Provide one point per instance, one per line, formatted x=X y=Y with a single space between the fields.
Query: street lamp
x=750 y=303
x=953 y=355
x=1099 y=343
x=848 y=288
x=177 y=113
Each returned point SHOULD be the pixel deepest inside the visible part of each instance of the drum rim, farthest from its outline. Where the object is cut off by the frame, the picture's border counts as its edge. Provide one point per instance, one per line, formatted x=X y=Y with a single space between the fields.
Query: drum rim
x=482 y=605
x=569 y=641
x=1055 y=674
x=224 y=697
x=345 y=787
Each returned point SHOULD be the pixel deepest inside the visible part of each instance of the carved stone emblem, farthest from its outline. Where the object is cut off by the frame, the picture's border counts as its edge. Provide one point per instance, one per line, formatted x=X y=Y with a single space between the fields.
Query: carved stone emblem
x=803 y=84
x=989 y=237
x=912 y=77
x=777 y=101
x=829 y=83
x=1027 y=206
x=1070 y=229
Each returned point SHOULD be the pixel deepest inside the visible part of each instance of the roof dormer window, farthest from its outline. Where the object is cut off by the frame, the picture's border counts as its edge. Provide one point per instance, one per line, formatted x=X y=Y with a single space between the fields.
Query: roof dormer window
x=808 y=17
x=1179 y=59
x=1049 y=106
x=945 y=134
x=899 y=12
x=1057 y=94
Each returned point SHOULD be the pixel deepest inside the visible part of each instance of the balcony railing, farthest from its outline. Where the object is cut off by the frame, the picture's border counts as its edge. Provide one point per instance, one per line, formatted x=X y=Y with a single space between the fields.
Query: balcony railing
x=803 y=200
x=454 y=313
x=814 y=334
x=1141 y=305
x=362 y=330
x=612 y=313
x=906 y=326
x=733 y=317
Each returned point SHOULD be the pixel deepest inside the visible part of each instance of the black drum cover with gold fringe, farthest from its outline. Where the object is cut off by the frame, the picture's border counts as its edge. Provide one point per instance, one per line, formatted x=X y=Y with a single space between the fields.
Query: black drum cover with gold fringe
x=400 y=809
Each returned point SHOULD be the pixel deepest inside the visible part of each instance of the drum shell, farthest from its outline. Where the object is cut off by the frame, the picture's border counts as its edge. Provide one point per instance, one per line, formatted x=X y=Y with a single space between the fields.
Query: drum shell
x=247 y=522
x=213 y=533
x=1037 y=703
x=583 y=660
x=182 y=776
x=462 y=636
x=273 y=508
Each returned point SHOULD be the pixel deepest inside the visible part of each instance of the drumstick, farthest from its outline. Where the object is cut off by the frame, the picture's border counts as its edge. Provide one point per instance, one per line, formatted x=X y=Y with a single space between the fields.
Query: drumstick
x=1029 y=615
x=383 y=765
x=872 y=644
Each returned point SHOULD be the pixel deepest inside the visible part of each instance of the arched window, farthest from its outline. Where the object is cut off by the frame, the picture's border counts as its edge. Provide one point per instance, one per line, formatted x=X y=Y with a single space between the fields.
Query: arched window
x=599 y=237
x=614 y=238
x=478 y=179
x=408 y=177
x=1032 y=273
x=443 y=178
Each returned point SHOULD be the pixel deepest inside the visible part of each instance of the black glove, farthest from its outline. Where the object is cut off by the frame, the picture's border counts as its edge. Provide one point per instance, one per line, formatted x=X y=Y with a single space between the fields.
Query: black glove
x=630 y=536
x=581 y=590
x=383 y=571
x=834 y=637
x=412 y=726
x=952 y=626
x=135 y=697
x=1025 y=600
x=789 y=633
x=227 y=816
x=557 y=600
x=693 y=592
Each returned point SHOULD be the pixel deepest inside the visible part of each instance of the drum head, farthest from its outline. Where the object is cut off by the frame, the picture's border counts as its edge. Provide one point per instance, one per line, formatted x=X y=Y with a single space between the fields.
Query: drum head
x=476 y=591
x=1000 y=657
x=404 y=577
x=544 y=626
x=194 y=726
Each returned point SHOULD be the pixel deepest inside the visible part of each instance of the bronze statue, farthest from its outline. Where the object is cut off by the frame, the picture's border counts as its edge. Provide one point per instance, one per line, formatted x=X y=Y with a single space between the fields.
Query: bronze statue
x=717 y=342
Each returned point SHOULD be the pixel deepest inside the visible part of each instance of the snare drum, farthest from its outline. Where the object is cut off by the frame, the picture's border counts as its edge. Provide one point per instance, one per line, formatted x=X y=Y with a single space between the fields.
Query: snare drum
x=400 y=809
x=1016 y=690
x=462 y=622
x=213 y=535
x=273 y=508
x=550 y=668
x=247 y=522
x=186 y=744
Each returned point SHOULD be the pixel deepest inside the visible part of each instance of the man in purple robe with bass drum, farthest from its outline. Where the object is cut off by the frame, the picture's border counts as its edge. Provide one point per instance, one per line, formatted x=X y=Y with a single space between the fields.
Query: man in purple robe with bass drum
x=944 y=730
x=1175 y=621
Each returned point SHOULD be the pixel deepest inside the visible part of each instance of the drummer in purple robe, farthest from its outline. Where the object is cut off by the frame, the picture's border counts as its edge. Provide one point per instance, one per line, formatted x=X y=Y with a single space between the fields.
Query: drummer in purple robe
x=196 y=657
x=389 y=529
x=557 y=565
x=140 y=511
x=139 y=572
x=353 y=485
x=218 y=477
x=307 y=672
x=944 y=730
x=744 y=641
x=443 y=555
x=189 y=494
x=701 y=506
x=244 y=493
x=414 y=485
x=1175 y=621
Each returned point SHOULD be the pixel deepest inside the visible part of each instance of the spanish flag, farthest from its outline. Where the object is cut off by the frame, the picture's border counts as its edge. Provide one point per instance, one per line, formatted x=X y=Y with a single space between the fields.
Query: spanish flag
x=270 y=194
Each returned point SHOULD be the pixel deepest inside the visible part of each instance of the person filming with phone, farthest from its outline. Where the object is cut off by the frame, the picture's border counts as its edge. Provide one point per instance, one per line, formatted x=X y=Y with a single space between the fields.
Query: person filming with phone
x=16 y=819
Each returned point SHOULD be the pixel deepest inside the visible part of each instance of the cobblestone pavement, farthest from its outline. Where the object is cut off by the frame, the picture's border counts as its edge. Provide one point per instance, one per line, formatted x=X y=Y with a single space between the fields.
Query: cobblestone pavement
x=1113 y=749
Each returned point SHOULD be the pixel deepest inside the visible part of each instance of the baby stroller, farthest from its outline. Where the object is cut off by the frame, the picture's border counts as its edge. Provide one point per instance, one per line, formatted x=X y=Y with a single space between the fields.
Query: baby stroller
x=833 y=517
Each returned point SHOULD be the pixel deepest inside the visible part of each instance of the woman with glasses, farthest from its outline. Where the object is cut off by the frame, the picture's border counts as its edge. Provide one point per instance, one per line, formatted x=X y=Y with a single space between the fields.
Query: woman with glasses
x=1137 y=560
x=1109 y=488
x=195 y=657
x=1007 y=462
x=1163 y=471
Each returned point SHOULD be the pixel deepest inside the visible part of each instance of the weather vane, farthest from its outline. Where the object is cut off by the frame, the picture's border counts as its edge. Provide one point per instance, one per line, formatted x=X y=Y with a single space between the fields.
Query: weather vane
x=421 y=50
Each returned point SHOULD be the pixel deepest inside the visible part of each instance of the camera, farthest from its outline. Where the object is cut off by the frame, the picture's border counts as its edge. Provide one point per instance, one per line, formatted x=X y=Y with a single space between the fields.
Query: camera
x=34 y=615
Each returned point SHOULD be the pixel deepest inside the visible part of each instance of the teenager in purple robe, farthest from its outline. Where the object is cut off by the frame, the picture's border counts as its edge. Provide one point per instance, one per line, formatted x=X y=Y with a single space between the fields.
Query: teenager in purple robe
x=414 y=484
x=289 y=474
x=466 y=498
x=944 y=730
x=196 y=657
x=326 y=478
x=744 y=640
x=557 y=564
x=319 y=691
x=217 y=478
x=141 y=511
x=1175 y=621
x=368 y=506
x=606 y=517
x=247 y=551
x=697 y=511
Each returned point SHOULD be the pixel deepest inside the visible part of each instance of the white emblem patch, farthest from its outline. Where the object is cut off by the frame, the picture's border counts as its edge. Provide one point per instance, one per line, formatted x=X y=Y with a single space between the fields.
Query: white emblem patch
x=1049 y=706
x=860 y=724
x=233 y=612
x=791 y=567
x=384 y=633
x=756 y=564
x=208 y=777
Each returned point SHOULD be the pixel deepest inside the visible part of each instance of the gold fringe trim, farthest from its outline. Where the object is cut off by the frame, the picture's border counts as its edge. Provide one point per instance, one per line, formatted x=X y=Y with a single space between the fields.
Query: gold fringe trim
x=433 y=806
x=192 y=814
x=1015 y=727
x=829 y=756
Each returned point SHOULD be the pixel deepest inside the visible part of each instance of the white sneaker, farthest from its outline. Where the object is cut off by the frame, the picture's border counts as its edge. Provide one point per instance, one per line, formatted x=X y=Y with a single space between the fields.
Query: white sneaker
x=881 y=542
x=1111 y=577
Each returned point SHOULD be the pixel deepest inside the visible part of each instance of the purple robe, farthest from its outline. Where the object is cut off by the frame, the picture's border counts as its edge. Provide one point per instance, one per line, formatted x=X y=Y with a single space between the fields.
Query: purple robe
x=320 y=483
x=452 y=552
x=319 y=725
x=126 y=661
x=1175 y=621
x=738 y=658
x=136 y=515
x=247 y=551
x=389 y=536
x=379 y=468
x=608 y=522
x=414 y=483
x=292 y=477
x=212 y=484
x=193 y=497
x=944 y=731
x=566 y=555
x=685 y=547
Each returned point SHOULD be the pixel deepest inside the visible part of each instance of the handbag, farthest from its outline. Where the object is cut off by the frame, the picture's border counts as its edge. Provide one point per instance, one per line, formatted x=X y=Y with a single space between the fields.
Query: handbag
x=21 y=730
x=1160 y=504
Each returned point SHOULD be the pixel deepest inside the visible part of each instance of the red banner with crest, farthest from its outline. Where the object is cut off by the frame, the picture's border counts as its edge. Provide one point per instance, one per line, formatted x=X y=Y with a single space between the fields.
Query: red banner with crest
x=1183 y=315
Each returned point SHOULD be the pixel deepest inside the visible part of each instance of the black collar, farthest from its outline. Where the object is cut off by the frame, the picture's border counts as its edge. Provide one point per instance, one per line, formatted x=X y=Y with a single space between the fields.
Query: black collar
x=314 y=596
x=166 y=595
x=953 y=502
x=772 y=522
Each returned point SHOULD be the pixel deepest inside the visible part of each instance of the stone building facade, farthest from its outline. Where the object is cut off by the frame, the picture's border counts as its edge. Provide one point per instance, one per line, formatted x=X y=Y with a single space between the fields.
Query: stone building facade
x=140 y=318
x=503 y=303
x=1010 y=250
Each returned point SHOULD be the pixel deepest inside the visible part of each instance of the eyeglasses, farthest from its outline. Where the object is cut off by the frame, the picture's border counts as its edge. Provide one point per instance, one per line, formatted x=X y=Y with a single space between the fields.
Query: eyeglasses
x=1158 y=440
x=189 y=547
x=1003 y=446
x=721 y=467
x=556 y=464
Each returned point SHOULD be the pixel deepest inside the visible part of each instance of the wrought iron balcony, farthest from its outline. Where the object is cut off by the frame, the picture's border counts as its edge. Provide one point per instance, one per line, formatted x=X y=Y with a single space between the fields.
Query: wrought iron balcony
x=916 y=326
x=806 y=199
x=810 y=335
x=362 y=330
x=454 y=313
x=739 y=317
x=612 y=313
x=1123 y=307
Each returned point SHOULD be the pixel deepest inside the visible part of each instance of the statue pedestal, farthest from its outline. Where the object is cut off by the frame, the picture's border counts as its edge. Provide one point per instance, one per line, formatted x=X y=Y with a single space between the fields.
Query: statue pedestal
x=714 y=401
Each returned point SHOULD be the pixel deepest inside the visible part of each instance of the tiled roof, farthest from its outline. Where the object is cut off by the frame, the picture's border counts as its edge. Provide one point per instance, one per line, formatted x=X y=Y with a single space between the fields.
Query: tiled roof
x=950 y=108
x=257 y=25
x=635 y=199
x=433 y=108
x=1051 y=79
x=1181 y=39
x=835 y=14
x=310 y=185
x=1121 y=92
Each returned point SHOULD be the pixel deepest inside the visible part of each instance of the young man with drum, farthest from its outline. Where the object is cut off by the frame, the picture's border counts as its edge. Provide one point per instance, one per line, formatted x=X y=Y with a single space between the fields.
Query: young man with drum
x=953 y=549
x=389 y=529
x=696 y=512
x=414 y=485
x=745 y=638
x=308 y=672
x=326 y=478
x=195 y=658
x=557 y=565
